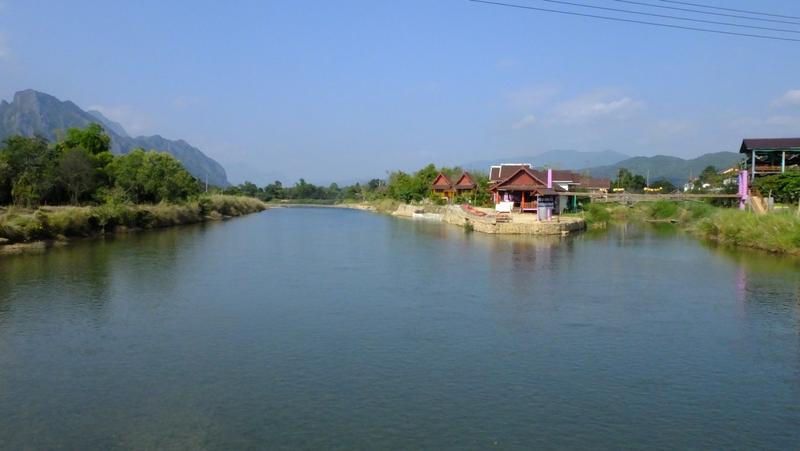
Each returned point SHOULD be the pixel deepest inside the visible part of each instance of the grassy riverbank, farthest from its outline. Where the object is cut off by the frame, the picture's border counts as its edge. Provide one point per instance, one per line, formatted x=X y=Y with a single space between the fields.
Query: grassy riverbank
x=19 y=225
x=777 y=232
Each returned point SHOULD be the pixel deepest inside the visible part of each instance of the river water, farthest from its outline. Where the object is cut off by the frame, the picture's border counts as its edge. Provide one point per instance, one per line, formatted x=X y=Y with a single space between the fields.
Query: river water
x=325 y=328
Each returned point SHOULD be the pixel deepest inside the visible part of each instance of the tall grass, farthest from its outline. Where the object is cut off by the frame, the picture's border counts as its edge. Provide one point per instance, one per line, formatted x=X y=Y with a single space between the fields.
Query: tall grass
x=774 y=232
x=21 y=225
x=662 y=209
x=597 y=215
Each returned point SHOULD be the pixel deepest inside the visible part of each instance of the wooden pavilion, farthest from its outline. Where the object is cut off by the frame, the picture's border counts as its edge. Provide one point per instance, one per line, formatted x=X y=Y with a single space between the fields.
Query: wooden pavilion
x=771 y=156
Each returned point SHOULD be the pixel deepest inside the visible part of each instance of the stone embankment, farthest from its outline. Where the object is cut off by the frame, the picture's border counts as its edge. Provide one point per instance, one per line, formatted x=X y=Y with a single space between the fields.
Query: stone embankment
x=520 y=224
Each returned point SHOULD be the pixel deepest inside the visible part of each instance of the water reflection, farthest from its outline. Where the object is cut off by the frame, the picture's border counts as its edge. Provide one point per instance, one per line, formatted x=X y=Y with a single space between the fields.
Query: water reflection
x=327 y=328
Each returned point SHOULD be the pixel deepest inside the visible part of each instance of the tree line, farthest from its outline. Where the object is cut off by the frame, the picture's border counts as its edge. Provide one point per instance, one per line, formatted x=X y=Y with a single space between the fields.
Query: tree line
x=80 y=168
x=399 y=185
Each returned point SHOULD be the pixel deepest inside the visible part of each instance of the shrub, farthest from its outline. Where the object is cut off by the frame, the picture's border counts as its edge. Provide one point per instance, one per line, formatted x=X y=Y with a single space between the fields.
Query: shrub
x=663 y=209
x=596 y=214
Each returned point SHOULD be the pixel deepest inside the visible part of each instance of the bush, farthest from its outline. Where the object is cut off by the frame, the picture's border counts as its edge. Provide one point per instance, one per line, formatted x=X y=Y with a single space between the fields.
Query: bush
x=663 y=209
x=596 y=214
x=784 y=187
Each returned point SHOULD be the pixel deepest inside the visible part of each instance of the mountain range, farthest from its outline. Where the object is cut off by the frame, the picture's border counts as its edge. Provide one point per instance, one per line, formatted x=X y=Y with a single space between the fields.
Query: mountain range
x=676 y=170
x=558 y=159
x=607 y=163
x=36 y=113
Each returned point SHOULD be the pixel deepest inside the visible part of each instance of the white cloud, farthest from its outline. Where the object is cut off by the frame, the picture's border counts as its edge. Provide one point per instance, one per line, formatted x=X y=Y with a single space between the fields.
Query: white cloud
x=596 y=105
x=770 y=126
x=789 y=98
x=133 y=122
x=525 y=122
x=531 y=97
x=789 y=122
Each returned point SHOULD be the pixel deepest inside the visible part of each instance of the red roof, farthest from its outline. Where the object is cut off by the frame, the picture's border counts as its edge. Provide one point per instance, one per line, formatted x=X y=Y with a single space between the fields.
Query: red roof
x=465 y=182
x=524 y=179
x=504 y=171
x=442 y=182
x=589 y=182
x=559 y=176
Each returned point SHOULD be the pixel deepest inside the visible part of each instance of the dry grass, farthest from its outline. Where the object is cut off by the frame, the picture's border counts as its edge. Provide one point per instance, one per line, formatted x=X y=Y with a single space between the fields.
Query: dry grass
x=23 y=225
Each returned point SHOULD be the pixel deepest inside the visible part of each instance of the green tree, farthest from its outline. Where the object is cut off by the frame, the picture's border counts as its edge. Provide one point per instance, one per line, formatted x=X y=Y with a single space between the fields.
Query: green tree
x=153 y=177
x=403 y=187
x=665 y=185
x=274 y=191
x=29 y=167
x=709 y=175
x=26 y=154
x=5 y=179
x=93 y=139
x=374 y=184
x=249 y=189
x=96 y=143
x=784 y=187
x=76 y=172
x=26 y=190
x=630 y=182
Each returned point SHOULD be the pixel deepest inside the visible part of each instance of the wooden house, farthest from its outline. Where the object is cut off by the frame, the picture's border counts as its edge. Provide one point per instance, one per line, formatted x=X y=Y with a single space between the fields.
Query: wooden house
x=528 y=191
x=566 y=180
x=465 y=186
x=442 y=186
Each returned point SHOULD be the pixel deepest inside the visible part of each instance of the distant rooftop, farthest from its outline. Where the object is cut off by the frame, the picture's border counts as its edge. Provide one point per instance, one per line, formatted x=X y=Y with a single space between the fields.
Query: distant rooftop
x=767 y=144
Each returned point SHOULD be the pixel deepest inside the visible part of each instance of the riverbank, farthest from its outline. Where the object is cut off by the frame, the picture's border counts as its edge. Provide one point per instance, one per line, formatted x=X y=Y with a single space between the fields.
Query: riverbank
x=23 y=229
x=777 y=232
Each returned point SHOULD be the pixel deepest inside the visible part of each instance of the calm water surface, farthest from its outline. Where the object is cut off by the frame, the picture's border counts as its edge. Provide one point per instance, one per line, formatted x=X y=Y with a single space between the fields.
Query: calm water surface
x=321 y=328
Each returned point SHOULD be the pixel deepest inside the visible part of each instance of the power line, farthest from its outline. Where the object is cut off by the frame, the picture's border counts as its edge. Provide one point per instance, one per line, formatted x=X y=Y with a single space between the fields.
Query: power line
x=667 y=16
x=675 y=8
x=643 y=22
x=731 y=9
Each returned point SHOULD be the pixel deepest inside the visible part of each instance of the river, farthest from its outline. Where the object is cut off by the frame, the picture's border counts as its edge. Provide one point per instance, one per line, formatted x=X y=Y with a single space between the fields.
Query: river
x=338 y=329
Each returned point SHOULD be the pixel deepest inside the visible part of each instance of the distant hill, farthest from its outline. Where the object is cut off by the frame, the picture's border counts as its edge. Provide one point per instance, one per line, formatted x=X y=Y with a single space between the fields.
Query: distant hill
x=557 y=159
x=108 y=124
x=674 y=169
x=36 y=113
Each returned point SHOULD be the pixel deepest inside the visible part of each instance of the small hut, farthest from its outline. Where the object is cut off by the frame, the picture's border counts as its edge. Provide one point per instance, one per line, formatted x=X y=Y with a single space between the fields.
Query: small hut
x=465 y=186
x=442 y=186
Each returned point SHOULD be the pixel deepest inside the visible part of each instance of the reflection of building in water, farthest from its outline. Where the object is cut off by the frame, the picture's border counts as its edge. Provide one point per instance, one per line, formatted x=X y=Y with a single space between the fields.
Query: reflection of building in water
x=518 y=263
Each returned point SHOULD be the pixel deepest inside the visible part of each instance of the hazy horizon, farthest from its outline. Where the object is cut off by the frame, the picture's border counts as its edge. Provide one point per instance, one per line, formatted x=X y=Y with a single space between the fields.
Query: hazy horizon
x=309 y=89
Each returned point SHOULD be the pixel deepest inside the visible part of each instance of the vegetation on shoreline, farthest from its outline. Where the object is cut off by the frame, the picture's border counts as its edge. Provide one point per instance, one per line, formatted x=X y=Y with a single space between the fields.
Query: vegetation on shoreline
x=80 y=169
x=773 y=232
x=19 y=224
x=777 y=232
x=76 y=187
x=399 y=186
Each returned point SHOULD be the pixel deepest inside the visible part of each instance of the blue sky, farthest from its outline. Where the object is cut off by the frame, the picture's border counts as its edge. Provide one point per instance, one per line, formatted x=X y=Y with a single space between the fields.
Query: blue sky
x=341 y=90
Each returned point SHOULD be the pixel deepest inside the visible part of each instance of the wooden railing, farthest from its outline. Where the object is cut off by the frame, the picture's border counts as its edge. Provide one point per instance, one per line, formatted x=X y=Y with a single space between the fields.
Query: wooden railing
x=529 y=205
